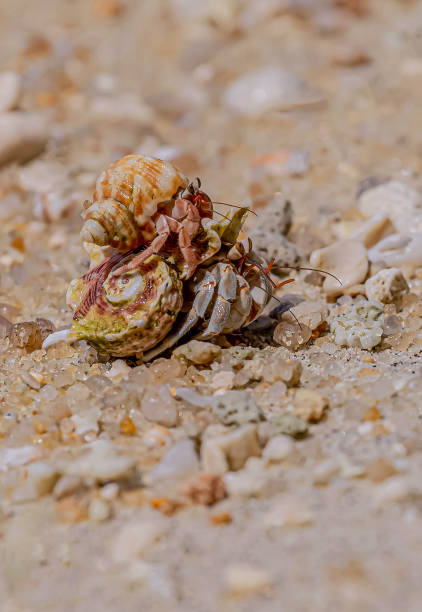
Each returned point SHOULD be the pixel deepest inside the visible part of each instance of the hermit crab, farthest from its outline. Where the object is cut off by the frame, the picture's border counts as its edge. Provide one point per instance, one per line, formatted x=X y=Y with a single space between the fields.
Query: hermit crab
x=161 y=265
x=148 y=308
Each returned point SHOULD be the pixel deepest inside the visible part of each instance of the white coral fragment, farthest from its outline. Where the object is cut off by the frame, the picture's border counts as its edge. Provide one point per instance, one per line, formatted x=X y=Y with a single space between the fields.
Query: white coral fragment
x=359 y=326
x=386 y=286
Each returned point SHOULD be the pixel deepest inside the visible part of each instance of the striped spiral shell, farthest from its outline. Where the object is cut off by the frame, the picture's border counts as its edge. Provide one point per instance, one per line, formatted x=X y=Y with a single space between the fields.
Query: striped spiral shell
x=134 y=312
x=127 y=195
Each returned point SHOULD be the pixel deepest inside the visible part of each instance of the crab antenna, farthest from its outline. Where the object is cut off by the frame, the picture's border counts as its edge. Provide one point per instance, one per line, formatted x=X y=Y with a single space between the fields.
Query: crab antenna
x=295 y=317
x=235 y=206
x=221 y=215
x=313 y=270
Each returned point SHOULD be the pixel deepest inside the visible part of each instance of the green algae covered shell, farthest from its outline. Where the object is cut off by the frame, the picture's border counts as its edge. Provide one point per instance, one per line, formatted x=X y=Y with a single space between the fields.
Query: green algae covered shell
x=134 y=312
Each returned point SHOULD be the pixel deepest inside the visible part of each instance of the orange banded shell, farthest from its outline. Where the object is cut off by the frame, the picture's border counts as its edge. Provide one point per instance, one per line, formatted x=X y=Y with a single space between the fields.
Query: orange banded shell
x=127 y=195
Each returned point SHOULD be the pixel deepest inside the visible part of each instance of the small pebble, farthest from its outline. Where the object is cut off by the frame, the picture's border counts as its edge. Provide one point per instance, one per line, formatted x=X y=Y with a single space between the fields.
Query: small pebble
x=159 y=406
x=255 y=480
x=206 y=489
x=99 y=510
x=288 y=513
x=39 y=480
x=278 y=449
x=396 y=489
x=244 y=580
x=386 y=286
x=231 y=450
x=135 y=539
x=398 y=250
x=236 y=408
x=347 y=260
x=292 y=335
x=392 y=325
x=110 y=491
x=325 y=471
x=10 y=90
x=179 y=462
x=23 y=136
x=66 y=485
x=100 y=461
x=309 y=405
x=380 y=469
x=290 y=425
x=269 y=89
x=26 y=335
x=195 y=351
x=398 y=200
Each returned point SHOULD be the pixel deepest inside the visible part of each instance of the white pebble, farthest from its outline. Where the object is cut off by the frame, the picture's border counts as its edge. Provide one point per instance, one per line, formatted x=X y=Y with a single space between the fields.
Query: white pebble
x=223 y=380
x=386 y=286
x=398 y=250
x=110 y=491
x=10 y=90
x=325 y=471
x=395 y=490
x=269 y=89
x=23 y=136
x=402 y=203
x=278 y=449
x=231 y=450
x=101 y=461
x=253 y=481
x=13 y=457
x=136 y=539
x=40 y=478
x=346 y=259
x=245 y=580
x=99 y=510
x=86 y=421
x=288 y=513
x=179 y=462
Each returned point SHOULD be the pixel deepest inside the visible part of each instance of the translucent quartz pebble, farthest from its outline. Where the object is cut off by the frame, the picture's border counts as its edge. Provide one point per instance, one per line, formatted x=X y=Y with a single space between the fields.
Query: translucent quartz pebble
x=269 y=89
x=26 y=335
x=159 y=406
x=292 y=335
x=392 y=325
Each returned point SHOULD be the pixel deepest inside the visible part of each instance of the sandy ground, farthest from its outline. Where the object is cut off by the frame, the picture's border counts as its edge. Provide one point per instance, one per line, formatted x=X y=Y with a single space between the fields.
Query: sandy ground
x=112 y=78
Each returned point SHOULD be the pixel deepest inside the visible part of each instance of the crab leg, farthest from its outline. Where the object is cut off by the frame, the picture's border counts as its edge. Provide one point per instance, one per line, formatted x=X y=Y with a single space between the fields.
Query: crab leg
x=226 y=295
x=199 y=306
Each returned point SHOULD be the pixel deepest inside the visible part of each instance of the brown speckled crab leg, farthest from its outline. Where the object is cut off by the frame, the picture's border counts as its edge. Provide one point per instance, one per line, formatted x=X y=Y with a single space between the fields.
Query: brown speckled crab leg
x=226 y=296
